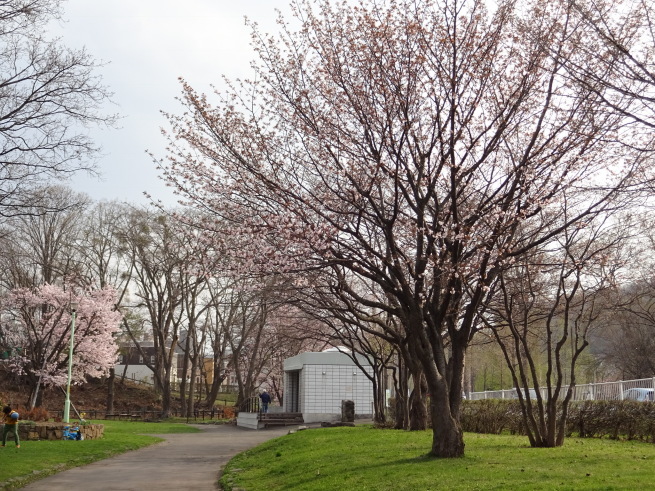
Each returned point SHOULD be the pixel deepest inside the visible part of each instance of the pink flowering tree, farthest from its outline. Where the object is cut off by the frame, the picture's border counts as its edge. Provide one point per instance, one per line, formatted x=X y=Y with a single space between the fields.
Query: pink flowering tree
x=420 y=146
x=39 y=335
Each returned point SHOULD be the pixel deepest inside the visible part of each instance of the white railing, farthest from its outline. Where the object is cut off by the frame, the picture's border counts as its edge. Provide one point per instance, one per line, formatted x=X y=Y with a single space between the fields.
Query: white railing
x=601 y=391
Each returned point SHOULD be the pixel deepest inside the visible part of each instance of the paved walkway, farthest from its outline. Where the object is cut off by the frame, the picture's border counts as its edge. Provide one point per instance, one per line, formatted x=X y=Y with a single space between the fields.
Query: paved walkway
x=185 y=461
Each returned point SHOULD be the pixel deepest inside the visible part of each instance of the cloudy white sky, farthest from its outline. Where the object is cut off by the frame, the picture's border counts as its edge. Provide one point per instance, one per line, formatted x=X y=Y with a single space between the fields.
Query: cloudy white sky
x=147 y=45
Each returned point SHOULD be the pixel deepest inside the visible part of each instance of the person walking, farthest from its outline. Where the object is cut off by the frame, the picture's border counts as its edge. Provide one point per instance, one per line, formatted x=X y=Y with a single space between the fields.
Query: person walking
x=266 y=400
x=11 y=424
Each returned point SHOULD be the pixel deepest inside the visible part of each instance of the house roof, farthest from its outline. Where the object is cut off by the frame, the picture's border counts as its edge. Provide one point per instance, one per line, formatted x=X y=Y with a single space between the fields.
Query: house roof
x=323 y=358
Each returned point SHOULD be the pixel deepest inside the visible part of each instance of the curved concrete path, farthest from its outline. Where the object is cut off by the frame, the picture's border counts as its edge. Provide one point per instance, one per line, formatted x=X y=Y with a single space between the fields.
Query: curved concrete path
x=186 y=461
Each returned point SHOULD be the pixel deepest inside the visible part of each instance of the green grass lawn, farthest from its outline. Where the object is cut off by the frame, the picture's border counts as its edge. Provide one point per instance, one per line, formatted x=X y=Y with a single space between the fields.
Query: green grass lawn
x=35 y=460
x=364 y=458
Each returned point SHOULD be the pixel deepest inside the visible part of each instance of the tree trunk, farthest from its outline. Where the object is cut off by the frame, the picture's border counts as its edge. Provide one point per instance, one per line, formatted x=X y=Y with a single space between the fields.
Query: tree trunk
x=418 y=415
x=192 y=387
x=166 y=394
x=447 y=435
x=418 y=412
x=276 y=386
x=35 y=395
x=183 y=378
x=124 y=374
x=401 y=405
x=110 y=390
x=379 y=398
x=217 y=380
x=402 y=414
x=442 y=376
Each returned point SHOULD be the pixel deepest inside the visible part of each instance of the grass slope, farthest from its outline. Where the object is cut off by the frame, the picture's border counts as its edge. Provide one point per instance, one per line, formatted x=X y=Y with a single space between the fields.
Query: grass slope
x=364 y=458
x=35 y=460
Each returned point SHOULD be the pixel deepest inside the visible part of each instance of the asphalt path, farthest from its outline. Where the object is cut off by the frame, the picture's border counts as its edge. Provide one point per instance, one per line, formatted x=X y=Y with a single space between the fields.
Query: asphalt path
x=184 y=461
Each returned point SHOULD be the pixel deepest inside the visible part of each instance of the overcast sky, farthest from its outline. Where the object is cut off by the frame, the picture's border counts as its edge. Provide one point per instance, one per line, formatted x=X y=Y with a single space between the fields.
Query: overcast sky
x=147 y=45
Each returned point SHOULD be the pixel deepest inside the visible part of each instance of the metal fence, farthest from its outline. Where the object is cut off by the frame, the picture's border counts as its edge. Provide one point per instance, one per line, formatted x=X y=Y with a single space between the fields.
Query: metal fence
x=601 y=391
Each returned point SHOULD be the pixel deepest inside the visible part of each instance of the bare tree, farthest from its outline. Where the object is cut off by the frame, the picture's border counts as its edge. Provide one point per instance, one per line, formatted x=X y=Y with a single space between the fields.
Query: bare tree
x=197 y=305
x=220 y=318
x=41 y=247
x=547 y=305
x=49 y=95
x=627 y=343
x=106 y=261
x=249 y=339
x=156 y=278
x=101 y=249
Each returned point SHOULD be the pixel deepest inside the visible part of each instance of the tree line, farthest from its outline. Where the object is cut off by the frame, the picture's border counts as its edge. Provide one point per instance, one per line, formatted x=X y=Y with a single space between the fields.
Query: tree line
x=154 y=294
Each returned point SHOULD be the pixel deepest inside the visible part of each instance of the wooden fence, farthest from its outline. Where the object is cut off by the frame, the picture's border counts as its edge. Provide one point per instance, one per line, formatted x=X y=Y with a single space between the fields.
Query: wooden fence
x=139 y=414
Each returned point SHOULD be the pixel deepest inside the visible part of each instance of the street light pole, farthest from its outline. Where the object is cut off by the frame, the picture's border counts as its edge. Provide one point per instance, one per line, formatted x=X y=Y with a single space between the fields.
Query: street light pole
x=67 y=403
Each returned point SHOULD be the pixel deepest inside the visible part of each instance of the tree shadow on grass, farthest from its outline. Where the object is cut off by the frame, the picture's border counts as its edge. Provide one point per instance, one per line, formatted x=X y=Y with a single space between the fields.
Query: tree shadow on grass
x=322 y=477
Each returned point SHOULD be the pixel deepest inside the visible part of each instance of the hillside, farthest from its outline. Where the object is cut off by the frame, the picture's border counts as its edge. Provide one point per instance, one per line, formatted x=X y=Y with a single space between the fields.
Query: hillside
x=90 y=396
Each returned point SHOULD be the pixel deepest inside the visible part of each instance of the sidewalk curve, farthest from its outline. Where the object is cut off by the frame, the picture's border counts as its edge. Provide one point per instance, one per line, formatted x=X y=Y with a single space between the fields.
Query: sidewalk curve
x=185 y=461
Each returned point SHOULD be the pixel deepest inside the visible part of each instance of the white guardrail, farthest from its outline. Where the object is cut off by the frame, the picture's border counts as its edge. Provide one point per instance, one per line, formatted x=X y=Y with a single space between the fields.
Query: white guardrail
x=601 y=391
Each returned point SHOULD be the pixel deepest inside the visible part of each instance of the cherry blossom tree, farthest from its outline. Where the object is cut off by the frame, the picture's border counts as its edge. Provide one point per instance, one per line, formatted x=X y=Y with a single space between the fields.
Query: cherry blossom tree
x=420 y=145
x=627 y=29
x=41 y=328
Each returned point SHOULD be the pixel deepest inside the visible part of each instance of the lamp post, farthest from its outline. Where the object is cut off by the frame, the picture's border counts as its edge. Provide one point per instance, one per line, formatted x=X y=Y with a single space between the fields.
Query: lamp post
x=67 y=403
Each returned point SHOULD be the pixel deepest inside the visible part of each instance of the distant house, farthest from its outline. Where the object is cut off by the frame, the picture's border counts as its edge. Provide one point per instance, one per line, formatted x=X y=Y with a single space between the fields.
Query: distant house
x=132 y=363
x=204 y=374
x=316 y=383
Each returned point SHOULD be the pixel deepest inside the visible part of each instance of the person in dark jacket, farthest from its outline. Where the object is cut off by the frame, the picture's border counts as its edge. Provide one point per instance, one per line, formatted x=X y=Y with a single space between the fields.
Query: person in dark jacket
x=266 y=400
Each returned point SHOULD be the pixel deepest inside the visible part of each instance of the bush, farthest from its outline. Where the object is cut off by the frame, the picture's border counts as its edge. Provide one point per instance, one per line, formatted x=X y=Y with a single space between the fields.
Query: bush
x=490 y=416
x=592 y=419
x=36 y=414
x=616 y=419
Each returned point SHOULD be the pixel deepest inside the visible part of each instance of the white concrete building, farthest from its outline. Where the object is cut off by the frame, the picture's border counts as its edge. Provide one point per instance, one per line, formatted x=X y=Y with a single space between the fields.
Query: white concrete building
x=316 y=383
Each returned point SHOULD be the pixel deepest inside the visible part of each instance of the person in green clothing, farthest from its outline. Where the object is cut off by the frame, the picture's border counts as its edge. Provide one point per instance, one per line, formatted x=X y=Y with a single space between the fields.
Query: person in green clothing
x=11 y=424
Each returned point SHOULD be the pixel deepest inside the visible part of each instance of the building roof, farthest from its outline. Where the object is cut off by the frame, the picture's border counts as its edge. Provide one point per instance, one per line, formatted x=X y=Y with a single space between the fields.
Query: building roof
x=323 y=358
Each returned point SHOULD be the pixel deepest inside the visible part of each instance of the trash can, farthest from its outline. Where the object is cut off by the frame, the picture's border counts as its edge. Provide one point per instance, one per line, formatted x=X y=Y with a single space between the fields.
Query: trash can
x=347 y=411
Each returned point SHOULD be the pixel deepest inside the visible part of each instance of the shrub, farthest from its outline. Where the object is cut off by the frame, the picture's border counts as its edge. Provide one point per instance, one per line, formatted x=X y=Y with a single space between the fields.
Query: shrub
x=490 y=416
x=36 y=414
x=616 y=419
x=593 y=419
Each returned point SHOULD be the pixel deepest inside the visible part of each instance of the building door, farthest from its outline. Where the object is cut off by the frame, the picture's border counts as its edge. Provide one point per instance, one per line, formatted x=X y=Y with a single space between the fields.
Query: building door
x=292 y=392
